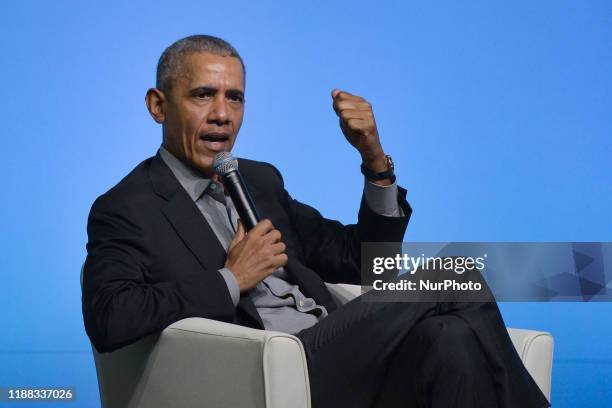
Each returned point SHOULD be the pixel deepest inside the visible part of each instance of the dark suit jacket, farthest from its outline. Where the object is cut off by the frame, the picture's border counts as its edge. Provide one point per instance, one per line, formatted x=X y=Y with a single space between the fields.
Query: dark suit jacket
x=152 y=259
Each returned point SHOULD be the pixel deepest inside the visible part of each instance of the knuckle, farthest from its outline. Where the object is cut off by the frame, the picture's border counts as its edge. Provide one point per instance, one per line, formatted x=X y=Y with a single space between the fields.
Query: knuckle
x=272 y=262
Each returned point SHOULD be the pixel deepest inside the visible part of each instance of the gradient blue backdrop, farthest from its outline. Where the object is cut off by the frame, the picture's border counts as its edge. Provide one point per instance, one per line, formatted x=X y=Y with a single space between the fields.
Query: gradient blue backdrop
x=498 y=117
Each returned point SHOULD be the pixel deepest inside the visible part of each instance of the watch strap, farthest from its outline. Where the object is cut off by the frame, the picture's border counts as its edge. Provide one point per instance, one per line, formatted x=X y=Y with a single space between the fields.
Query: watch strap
x=376 y=176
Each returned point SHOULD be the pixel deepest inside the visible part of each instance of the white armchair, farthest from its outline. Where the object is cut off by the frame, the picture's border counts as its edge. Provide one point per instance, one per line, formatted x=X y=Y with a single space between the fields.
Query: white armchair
x=199 y=362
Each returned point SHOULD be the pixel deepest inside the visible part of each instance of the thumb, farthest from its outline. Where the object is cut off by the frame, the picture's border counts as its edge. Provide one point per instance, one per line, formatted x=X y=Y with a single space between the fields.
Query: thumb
x=240 y=234
x=335 y=93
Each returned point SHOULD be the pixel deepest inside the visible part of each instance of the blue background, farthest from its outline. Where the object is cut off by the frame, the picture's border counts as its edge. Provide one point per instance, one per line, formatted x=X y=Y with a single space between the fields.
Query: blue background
x=498 y=117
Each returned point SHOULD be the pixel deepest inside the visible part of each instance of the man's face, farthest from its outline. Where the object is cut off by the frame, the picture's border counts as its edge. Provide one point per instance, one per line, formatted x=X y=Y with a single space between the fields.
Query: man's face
x=204 y=109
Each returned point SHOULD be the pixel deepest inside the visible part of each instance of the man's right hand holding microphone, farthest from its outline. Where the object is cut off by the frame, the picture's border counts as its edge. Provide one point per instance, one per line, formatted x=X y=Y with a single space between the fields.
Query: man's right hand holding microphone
x=255 y=255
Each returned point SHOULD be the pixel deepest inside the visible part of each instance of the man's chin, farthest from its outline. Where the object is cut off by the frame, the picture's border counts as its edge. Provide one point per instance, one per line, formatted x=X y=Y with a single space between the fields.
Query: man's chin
x=203 y=161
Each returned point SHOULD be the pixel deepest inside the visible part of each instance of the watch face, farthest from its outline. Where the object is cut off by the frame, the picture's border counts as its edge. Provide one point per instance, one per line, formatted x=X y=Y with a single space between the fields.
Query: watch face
x=390 y=163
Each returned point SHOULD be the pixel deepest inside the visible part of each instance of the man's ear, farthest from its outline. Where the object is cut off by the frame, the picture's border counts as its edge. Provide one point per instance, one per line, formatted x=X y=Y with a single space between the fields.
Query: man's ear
x=156 y=104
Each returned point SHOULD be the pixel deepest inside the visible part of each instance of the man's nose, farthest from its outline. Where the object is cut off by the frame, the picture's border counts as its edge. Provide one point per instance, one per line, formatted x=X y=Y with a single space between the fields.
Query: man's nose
x=219 y=112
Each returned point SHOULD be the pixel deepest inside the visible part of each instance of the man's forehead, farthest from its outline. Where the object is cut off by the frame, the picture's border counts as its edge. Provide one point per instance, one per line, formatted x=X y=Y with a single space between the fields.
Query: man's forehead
x=203 y=66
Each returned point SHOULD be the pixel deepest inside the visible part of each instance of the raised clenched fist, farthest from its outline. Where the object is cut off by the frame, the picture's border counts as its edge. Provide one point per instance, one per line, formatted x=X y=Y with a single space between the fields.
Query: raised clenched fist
x=359 y=127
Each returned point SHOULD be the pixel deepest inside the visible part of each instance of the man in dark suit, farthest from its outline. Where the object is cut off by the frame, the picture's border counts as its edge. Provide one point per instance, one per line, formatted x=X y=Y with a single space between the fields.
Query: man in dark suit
x=165 y=244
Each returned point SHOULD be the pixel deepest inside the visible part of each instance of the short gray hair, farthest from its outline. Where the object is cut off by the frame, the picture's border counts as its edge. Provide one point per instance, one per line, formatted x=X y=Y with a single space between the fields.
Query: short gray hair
x=170 y=64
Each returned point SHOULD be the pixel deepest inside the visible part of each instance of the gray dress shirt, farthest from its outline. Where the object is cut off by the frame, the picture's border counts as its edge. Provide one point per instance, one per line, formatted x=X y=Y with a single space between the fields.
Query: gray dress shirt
x=280 y=303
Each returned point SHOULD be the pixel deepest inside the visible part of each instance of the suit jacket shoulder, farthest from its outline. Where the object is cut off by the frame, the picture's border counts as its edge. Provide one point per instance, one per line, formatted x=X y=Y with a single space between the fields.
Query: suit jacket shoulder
x=134 y=190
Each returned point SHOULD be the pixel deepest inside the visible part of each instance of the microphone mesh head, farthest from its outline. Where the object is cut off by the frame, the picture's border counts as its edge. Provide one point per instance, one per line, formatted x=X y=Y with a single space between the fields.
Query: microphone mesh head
x=224 y=163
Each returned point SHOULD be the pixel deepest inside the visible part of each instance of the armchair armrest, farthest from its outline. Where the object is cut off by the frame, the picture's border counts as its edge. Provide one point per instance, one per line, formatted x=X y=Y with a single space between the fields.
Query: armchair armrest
x=201 y=362
x=536 y=350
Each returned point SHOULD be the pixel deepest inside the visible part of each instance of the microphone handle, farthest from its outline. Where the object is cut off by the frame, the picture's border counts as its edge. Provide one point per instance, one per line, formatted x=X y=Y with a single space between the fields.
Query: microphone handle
x=243 y=202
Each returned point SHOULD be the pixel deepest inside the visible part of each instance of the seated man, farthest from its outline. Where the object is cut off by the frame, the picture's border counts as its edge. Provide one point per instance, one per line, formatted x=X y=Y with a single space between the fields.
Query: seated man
x=166 y=243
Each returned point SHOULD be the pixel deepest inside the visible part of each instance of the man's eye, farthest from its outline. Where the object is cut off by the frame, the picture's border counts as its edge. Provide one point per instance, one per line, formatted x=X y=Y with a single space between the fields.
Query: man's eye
x=236 y=98
x=203 y=95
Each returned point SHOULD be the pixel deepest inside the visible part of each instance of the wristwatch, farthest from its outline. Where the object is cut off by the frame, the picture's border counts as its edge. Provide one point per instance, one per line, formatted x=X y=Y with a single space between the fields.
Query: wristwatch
x=374 y=176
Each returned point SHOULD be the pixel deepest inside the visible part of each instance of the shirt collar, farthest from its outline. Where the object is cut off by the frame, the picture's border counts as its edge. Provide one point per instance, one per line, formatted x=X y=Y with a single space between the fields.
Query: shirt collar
x=194 y=183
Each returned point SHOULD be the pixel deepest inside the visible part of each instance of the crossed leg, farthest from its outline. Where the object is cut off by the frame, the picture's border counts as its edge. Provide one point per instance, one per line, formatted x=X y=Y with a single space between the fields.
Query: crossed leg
x=427 y=354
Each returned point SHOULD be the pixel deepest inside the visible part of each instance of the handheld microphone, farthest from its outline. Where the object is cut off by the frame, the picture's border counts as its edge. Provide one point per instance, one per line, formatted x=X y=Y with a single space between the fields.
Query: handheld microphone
x=226 y=166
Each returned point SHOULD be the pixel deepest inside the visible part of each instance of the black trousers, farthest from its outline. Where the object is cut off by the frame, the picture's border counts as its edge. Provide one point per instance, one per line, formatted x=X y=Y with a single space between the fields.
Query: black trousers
x=428 y=354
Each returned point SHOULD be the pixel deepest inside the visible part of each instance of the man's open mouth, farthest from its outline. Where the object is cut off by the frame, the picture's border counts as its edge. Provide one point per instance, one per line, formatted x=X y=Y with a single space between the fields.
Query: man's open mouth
x=216 y=142
x=215 y=137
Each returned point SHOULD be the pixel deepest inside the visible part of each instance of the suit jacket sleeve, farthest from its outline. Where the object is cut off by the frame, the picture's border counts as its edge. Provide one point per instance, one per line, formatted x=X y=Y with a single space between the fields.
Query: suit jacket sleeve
x=332 y=249
x=119 y=304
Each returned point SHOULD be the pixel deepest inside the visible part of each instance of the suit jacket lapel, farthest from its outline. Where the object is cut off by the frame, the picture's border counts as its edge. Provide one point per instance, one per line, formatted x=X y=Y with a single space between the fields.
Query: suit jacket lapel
x=185 y=217
x=195 y=231
x=191 y=226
